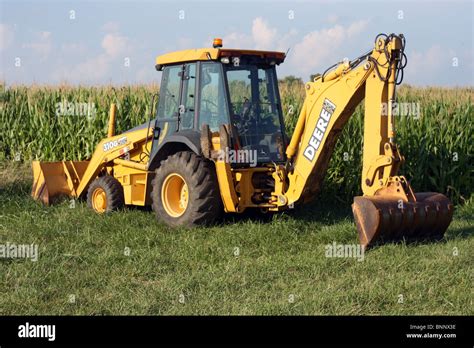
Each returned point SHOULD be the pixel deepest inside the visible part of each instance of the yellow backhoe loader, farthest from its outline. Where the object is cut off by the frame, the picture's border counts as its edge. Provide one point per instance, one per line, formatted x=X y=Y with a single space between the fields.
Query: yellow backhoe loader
x=218 y=144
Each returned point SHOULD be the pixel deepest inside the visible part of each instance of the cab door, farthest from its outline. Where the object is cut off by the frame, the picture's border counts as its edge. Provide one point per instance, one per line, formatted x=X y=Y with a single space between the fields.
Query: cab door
x=169 y=101
x=176 y=105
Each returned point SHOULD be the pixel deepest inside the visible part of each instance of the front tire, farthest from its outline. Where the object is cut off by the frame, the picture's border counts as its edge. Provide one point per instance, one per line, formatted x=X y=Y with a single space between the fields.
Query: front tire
x=185 y=191
x=105 y=194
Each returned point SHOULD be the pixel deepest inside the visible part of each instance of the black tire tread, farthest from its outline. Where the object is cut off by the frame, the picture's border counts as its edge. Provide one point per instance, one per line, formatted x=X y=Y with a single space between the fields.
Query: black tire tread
x=205 y=204
x=113 y=191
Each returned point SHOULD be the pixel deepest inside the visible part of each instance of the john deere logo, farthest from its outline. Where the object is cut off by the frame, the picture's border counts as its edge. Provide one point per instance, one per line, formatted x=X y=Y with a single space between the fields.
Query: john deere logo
x=319 y=130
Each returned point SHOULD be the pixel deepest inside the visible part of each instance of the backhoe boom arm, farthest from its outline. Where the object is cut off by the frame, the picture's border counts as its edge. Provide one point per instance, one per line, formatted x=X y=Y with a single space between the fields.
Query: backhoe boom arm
x=330 y=101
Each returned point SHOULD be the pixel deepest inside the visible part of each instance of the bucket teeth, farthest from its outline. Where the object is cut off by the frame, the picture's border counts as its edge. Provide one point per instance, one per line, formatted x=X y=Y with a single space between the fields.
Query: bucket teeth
x=385 y=218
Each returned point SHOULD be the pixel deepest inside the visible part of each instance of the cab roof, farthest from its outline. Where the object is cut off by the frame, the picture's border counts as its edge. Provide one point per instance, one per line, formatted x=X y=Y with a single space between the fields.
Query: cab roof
x=215 y=54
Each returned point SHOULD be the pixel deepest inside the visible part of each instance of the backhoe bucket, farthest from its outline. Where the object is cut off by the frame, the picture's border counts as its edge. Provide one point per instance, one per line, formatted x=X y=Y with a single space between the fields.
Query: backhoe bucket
x=386 y=218
x=54 y=179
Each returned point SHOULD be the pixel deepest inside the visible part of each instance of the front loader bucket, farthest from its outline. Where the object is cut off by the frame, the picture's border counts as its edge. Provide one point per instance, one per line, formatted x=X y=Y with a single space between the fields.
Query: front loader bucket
x=54 y=179
x=385 y=218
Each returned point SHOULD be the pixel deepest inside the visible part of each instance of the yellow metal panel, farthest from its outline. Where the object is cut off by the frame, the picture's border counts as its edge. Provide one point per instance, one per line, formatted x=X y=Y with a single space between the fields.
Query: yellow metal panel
x=139 y=189
x=188 y=56
x=213 y=54
x=131 y=164
x=135 y=184
x=108 y=150
x=317 y=133
x=226 y=187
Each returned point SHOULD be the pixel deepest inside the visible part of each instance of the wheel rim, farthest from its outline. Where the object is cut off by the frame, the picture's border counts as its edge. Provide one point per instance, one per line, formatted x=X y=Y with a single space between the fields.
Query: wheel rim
x=99 y=200
x=175 y=195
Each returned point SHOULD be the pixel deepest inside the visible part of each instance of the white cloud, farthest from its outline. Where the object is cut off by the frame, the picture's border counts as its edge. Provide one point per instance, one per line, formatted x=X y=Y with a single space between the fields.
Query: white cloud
x=6 y=36
x=114 y=44
x=236 y=40
x=332 y=18
x=315 y=50
x=318 y=48
x=425 y=67
x=111 y=27
x=262 y=37
x=262 y=34
x=95 y=68
x=73 y=49
x=357 y=27
x=286 y=41
x=426 y=60
x=91 y=70
x=146 y=74
x=42 y=46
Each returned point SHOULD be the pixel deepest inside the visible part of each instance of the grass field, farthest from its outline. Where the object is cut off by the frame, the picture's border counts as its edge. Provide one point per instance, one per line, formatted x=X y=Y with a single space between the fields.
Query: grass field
x=128 y=263
x=240 y=266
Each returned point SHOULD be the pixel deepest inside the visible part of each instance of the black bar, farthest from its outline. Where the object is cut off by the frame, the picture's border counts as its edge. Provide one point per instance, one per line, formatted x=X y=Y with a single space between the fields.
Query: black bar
x=374 y=330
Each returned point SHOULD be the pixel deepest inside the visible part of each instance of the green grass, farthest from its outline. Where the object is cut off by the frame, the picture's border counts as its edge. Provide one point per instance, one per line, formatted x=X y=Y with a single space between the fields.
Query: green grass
x=82 y=254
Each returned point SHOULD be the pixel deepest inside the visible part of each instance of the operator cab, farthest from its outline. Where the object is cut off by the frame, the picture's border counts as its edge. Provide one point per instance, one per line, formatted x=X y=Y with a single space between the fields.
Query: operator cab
x=214 y=87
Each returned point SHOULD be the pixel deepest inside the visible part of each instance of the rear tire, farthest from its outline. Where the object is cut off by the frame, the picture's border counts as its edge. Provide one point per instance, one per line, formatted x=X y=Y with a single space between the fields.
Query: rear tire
x=185 y=191
x=105 y=194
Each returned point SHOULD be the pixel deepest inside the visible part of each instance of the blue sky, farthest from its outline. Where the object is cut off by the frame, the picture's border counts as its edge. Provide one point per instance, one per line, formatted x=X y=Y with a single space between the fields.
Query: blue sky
x=101 y=42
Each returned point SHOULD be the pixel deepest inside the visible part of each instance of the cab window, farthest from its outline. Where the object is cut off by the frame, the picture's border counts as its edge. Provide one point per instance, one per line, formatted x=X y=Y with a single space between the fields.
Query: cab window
x=168 y=105
x=213 y=108
x=187 y=104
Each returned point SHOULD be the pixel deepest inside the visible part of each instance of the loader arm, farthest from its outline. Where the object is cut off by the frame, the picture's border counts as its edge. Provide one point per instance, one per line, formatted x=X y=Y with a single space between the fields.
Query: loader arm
x=72 y=178
x=389 y=204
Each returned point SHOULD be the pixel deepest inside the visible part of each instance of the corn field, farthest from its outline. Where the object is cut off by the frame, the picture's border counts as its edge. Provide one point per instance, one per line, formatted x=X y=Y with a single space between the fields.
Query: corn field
x=438 y=145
